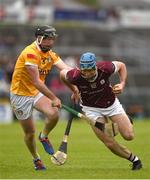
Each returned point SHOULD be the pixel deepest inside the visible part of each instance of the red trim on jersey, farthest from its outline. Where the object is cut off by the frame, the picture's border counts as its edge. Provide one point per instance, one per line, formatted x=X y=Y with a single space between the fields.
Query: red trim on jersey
x=31 y=56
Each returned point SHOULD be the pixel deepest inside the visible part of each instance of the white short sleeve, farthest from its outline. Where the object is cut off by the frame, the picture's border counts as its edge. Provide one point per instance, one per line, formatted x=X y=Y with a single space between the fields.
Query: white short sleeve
x=116 y=69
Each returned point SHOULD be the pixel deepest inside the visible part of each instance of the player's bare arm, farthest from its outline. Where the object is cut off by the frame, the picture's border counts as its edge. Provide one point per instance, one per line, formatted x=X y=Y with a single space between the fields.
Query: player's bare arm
x=64 y=68
x=61 y=65
x=34 y=75
x=122 y=71
x=75 y=96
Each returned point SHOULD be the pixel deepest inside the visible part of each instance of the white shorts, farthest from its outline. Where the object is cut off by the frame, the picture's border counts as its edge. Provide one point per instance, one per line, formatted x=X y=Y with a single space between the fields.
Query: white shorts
x=95 y=113
x=23 y=105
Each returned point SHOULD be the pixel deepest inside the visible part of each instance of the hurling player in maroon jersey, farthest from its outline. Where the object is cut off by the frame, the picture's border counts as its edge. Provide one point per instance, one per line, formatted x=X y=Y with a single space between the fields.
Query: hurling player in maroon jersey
x=99 y=101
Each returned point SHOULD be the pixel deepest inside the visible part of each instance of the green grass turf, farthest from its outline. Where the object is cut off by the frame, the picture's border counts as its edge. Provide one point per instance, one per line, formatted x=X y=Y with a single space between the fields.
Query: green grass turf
x=88 y=158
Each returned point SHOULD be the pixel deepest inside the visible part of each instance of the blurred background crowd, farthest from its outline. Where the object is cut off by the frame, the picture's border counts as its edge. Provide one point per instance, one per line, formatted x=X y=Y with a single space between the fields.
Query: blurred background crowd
x=112 y=29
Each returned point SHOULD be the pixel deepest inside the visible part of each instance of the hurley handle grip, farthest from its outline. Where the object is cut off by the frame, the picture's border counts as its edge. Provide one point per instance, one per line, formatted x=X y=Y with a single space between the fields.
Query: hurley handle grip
x=73 y=111
x=99 y=125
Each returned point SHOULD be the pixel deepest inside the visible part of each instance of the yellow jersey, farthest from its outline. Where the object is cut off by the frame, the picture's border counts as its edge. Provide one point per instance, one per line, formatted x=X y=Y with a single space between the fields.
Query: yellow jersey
x=21 y=82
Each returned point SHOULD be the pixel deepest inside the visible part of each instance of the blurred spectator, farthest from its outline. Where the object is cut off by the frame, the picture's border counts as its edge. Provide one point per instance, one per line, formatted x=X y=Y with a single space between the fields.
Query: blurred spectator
x=9 y=71
x=60 y=89
x=4 y=86
x=2 y=13
x=136 y=111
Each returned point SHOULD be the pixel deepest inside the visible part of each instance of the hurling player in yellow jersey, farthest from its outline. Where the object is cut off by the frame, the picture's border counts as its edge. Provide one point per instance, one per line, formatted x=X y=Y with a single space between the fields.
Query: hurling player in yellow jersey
x=28 y=90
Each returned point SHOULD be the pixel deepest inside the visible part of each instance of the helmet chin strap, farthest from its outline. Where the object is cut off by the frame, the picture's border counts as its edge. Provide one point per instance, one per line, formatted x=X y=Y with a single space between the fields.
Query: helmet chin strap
x=92 y=79
x=39 y=39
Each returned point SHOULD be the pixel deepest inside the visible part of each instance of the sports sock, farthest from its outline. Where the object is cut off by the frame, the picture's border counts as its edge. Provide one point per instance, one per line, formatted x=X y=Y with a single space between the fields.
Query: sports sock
x=35 y=159
x=133 y=158
x=42 y=135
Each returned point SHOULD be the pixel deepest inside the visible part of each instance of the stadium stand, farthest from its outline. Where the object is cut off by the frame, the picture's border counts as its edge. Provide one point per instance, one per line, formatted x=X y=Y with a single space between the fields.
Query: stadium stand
x=109 y=39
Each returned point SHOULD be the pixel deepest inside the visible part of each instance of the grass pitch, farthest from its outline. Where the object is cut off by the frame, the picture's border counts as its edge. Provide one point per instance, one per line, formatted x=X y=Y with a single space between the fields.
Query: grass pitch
x=88 y=158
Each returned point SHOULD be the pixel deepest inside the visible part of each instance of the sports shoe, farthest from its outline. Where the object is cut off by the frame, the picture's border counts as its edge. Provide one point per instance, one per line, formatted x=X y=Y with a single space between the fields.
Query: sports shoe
x=47 y=145
x=137 y=165
x=38 y=165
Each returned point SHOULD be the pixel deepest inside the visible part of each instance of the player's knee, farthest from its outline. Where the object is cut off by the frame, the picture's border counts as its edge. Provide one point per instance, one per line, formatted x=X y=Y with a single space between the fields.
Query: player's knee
x=129 y=136
x=53 y=115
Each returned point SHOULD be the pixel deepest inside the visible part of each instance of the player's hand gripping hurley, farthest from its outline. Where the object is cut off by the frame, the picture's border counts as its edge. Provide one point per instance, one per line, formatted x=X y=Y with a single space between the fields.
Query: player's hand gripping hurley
x=79 y=115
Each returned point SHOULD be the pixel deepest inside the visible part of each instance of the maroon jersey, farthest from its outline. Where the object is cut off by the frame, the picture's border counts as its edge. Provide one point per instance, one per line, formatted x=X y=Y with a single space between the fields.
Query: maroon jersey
x=99 y=92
